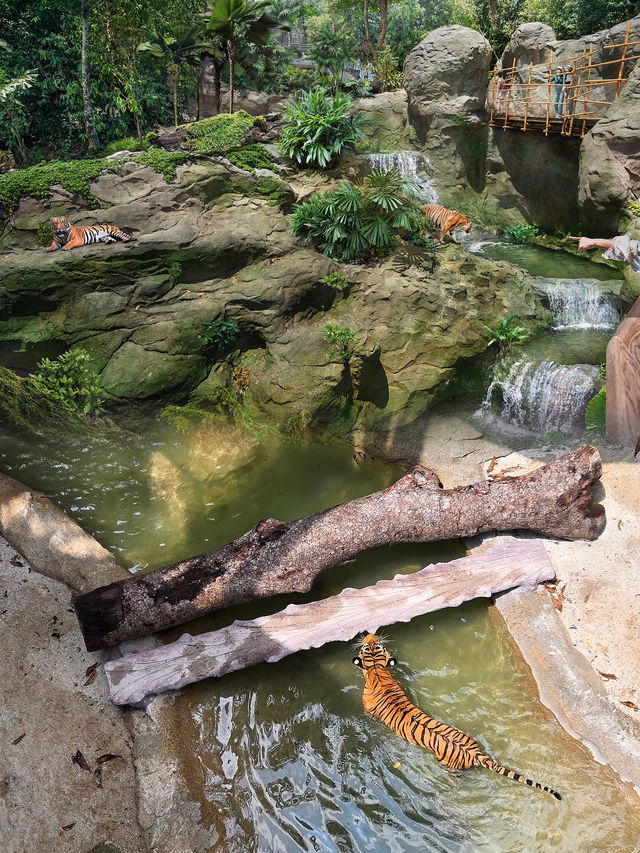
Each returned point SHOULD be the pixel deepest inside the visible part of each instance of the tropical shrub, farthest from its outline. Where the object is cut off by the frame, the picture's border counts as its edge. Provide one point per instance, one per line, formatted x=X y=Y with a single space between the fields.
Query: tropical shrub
x=354 y=222
x=506 y=333
x=522 y=233
x=340 y=340
x=319 y=128
x=220 y=334
x=386 y=70
x=336 y=281
x=73 y=379
x=596 y=414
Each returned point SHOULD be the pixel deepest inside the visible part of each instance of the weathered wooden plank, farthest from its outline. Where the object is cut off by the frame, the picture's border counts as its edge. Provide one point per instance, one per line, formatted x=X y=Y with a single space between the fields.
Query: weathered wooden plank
x=623 y=381
x=281 y=557
x=508 y=563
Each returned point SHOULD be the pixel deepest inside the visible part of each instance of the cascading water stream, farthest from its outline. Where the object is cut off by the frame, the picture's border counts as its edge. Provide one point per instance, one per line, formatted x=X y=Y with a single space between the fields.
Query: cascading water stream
x=540 y=397
x=580 y=304
x=412 y=166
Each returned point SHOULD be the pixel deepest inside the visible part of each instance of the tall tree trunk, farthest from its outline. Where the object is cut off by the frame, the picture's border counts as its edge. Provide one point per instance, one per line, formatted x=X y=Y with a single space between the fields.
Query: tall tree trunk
x=493 y=14
x=383 y=23
x=198 y=81
x=366 y=26
x=231 y=50
x=89 y=120
x=174 y=84
x=217 y=81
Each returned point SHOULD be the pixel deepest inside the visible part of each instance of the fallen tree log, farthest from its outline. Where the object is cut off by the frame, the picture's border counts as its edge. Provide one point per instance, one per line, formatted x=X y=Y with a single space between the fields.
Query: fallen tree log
x=282 y=557
x=508 y=563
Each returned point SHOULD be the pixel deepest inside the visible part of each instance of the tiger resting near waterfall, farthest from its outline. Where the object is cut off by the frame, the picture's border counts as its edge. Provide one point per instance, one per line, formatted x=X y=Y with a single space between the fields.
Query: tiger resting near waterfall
x=384 y=698
x=446 y=220
x=68 y=236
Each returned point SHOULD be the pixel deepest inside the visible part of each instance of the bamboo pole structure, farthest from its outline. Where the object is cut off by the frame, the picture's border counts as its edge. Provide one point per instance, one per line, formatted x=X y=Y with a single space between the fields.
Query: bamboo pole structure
x=506 y=113
x=546 y=127
x=576 y=91
x=586 y=94
x=526 y=103
x=493 y=97
x=624 y=54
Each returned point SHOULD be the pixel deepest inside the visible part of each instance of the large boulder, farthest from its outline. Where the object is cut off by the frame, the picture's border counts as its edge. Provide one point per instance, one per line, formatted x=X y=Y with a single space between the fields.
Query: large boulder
x=609 y=172
x=387 y=127
x=445 y=77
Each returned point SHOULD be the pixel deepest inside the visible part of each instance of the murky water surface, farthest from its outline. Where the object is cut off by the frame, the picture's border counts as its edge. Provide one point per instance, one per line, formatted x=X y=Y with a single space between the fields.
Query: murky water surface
x=289 y=760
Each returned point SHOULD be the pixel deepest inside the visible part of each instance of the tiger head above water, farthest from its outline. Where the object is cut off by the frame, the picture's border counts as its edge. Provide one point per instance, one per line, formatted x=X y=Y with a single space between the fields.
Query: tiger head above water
x=373 y=655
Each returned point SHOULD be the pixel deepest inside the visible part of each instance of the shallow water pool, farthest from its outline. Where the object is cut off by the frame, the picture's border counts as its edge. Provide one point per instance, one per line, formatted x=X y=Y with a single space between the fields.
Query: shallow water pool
x=287 y=759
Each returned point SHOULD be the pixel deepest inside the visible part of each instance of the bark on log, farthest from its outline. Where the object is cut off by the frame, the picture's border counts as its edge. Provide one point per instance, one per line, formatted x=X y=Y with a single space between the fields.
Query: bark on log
x=278 y=557
x=507 y=563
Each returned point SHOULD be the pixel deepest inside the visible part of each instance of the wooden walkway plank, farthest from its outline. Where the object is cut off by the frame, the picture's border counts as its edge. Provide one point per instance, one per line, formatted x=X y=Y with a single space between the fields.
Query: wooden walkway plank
x=509 y=563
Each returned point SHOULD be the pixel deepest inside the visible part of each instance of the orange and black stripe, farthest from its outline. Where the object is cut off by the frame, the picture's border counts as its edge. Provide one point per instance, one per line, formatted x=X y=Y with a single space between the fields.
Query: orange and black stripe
x=384 y=698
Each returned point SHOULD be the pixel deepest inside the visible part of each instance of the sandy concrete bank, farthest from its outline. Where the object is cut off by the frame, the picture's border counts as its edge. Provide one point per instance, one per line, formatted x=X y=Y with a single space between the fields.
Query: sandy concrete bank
x=54 y=702
x=50 y=709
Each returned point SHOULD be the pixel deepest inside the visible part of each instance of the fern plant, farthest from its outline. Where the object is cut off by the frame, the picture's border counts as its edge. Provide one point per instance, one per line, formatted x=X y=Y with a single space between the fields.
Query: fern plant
x=595 y=417
x=356 y=222
x=319 y=128
x=73 y=379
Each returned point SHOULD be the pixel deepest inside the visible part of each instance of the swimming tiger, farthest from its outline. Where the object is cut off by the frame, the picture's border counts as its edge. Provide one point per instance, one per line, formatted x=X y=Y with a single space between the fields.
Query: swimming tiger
x=384 y=698
x=68 y=236
x=446 y=220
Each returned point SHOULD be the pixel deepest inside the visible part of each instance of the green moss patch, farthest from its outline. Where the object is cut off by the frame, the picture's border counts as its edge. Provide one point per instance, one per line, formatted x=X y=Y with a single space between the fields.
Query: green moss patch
x=36 y=181
x=252 y=156
x=219 y=134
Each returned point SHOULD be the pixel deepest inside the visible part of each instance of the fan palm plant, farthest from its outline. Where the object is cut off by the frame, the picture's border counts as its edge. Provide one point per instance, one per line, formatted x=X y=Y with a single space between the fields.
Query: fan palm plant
x=189 y=45
x=253 y=19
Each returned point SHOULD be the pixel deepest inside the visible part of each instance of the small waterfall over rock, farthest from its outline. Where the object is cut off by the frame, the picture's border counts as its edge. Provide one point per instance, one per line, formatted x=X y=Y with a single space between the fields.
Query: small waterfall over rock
x=414 y=167
x=579 y=304
x=540 y=396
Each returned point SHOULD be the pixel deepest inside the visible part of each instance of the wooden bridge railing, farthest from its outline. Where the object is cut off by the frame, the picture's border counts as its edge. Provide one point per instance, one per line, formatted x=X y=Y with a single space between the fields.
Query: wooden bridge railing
x=530 y=97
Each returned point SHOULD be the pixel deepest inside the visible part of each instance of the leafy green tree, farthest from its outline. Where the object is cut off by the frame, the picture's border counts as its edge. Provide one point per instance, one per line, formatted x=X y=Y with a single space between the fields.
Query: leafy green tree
x=188 y=46
x=332 y=46
x=250 y=19
x=407 y=27
x=12 y=110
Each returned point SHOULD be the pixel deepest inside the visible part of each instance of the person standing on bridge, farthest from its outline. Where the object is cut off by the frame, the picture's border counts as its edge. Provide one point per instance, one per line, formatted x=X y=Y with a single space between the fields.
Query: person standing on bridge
x=558 y=92
x=621 y=248
x=568 y=89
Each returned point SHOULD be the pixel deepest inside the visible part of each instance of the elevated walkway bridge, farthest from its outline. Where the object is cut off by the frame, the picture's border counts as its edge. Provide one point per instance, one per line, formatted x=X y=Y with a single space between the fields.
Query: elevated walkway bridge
x=538 y=98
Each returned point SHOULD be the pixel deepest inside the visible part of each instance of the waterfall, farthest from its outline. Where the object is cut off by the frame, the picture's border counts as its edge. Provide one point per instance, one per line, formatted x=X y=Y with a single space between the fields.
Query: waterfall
x=412 y=166
x=580 y=304
x=541 y=396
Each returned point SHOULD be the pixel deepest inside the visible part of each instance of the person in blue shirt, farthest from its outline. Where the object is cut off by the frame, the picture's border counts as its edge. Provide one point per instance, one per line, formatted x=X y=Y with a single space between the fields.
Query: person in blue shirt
x=558 y=94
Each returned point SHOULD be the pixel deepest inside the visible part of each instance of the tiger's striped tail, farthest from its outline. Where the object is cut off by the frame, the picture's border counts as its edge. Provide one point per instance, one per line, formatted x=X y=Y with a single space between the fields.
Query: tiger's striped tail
x=490 y=764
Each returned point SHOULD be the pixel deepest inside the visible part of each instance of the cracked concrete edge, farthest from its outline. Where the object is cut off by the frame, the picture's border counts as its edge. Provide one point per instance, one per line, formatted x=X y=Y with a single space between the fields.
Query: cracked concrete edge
x=56 y=546
x=568 y=685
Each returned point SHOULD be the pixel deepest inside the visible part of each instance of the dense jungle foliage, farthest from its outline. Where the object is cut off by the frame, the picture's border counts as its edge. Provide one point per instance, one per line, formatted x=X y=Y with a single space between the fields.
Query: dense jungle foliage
x=44 y=112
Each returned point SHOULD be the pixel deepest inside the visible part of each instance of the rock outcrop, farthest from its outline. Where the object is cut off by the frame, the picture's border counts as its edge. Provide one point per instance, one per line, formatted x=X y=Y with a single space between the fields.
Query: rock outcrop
x=215 y=244
x=609 y=172
x=445 y=77
x=387 y=127
x=526 y=177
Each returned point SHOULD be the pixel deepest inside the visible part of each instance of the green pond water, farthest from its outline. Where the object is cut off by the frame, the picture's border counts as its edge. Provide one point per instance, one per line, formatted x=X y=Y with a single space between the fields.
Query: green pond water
x=539 y=261
x=287 y=759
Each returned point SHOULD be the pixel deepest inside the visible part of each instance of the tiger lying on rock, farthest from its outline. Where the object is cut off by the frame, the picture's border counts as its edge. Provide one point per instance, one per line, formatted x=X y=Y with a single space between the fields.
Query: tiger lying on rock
x=68 y=236
x=384 y=698
x=446 y=220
